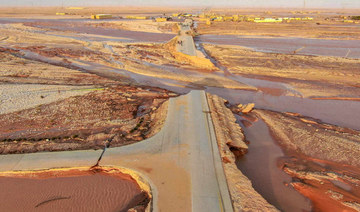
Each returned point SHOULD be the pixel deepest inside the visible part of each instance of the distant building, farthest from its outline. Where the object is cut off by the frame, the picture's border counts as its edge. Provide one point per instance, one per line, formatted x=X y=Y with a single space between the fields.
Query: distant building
x=160 y=19
x=101 y=16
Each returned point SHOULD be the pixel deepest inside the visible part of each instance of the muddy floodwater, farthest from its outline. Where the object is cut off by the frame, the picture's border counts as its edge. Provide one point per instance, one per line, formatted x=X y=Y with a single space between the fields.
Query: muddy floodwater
x=70 y=191
x=82 y=26
x=260 y=166
x=101 y=191
x=291 y=45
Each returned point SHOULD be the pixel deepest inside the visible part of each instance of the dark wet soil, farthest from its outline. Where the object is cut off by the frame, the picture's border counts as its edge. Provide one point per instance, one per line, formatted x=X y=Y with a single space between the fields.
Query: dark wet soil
x=123 y=114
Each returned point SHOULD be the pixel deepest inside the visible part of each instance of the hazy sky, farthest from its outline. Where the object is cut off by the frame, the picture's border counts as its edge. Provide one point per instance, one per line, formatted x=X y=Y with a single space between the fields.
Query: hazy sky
x=239 y=3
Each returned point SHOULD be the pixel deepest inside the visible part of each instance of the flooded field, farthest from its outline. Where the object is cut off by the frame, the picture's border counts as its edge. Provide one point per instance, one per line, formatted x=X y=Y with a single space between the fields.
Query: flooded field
x=324 y=110
x=304 y=86
x=72 y=189
x=83 y=26
x=261 y=166
x=293 y=45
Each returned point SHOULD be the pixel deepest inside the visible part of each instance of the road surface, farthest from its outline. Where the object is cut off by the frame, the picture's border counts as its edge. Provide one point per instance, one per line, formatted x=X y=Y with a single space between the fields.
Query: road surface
x=182 y=161
x=186 y=45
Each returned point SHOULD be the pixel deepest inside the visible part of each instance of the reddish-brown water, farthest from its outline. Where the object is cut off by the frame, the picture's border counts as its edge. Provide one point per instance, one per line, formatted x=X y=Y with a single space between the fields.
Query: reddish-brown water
x=71 y=190
x=260 y=166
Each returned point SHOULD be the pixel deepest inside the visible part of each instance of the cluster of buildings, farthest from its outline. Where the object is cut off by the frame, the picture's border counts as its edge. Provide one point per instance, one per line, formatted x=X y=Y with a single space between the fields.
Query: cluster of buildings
x=164 y=17
x=350 y=19
x=157 y=19
x=208 y=18
x=101 y=16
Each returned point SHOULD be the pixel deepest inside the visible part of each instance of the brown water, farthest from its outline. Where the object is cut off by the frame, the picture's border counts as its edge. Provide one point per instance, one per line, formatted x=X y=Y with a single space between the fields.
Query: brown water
x=66 y=191
x=324 y=47
x=343 y=113
x=82 y=27
x=337 y=112
x=260 y=163
x=260 y=166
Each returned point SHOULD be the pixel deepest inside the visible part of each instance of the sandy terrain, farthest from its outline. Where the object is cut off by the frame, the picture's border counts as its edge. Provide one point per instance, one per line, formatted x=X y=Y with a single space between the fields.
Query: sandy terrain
x=322 y=157
x=138 y=25
x=84 y=79
x=19 y=70
x=104 y=189
x=104 y=108
x=231 y=141
x=15 y=97
x=38 y=55
x=151 y=60
x=326 y=24
x=121 y=114
x=312 y=76
x=308 y=136
x=326 y=30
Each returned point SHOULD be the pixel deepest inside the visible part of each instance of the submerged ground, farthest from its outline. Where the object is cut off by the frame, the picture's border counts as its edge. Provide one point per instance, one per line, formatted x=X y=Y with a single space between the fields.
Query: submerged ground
x=70 y=83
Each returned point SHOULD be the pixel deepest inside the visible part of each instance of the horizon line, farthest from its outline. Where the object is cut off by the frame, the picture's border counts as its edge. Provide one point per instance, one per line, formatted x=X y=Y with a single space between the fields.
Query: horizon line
x=178 y=6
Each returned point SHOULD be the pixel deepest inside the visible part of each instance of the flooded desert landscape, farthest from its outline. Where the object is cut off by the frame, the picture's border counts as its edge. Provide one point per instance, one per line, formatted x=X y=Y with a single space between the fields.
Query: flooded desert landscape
x=189 y=108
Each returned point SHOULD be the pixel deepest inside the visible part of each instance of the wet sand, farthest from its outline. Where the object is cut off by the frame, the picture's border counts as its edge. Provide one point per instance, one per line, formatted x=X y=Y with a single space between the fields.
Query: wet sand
x=322 y=27
x=272 y=95
x=320 y=158
x=290 y=45
x=291 y=153
x=330 y=186
x=336 y=112
x=83 y=27
x=123 y=114
x=260 y=166
x=70 y=190
x=232 y=142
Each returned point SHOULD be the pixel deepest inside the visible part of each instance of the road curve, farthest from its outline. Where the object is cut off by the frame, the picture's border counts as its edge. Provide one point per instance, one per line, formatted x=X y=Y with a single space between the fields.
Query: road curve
x=182 y=161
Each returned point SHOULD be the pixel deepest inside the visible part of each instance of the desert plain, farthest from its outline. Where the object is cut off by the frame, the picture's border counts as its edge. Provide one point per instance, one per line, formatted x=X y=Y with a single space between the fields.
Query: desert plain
x=283 y=99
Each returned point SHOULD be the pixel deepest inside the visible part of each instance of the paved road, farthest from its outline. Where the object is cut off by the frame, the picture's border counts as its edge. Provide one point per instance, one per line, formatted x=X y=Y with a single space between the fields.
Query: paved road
x=182 y=161
x=187 y=45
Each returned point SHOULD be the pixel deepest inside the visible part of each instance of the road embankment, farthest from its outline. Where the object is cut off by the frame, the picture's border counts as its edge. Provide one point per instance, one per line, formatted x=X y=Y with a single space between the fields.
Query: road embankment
x=230 y=138
x=199 y=62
